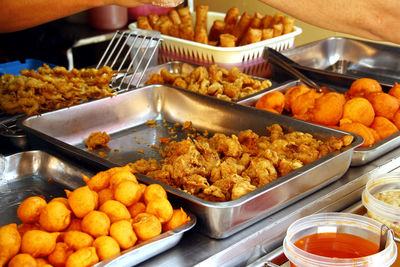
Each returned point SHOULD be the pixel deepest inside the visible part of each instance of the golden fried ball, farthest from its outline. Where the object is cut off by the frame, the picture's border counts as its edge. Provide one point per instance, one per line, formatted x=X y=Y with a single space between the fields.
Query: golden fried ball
x=63 y=200
x=10 y=242
x=82 y=201
x=359 y=109
x=384 y=104
x=274 y=100
x=120 y=176
x=55 y=217
x=38 y=243
x=25 y=227
x=161 y=208
x=115 y=210
x=98 y=182
x=83 y=257
x=106 y=247
x=328 y=109
x=395 y=91
x=383 y=127
x=363 y=87
x=96 y=223
x=41 y=262
x=77 y=239
x=179 y=218
x=146 y=226
x=60 y=254
x=292 y=93
x=104 y=195
x=361 y=129
x=122 y=232
x=22 y=259
x=154 y=191
x=136 y=208
x=75 y=225
x=128 y=192
x=29 y=209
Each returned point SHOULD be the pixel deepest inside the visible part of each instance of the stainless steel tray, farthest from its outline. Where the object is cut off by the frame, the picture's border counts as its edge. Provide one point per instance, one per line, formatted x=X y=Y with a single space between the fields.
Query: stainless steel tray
x=362 y=155
x=124 y=117
x=28 y=174
x=343 y=57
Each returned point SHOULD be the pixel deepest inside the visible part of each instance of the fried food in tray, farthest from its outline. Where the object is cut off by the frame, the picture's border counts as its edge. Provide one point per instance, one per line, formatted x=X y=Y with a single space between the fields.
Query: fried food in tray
x=224 y=168
x=219 y=82
x=364 y=109
x=35 y=92
x=244 y=29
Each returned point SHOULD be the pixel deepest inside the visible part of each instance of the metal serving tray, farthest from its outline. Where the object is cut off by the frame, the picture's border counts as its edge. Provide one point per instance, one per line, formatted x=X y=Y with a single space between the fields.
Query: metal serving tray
x=36 y=173
x=362 y=155
x=125 y=118
x=342 y=57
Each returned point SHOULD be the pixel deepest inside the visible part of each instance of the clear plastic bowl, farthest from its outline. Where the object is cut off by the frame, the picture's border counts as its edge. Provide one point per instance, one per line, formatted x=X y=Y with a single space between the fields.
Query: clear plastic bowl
x=358 y=225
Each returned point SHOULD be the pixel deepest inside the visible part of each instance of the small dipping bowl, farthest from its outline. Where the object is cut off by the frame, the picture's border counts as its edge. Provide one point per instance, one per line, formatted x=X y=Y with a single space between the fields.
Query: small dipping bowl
x=341 y=223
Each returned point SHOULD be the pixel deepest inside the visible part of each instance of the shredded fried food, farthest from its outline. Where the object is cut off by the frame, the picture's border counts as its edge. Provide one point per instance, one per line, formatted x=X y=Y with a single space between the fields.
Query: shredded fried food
x=50 y=89
x=223 y=168
x=97 y=139
x=229 y=85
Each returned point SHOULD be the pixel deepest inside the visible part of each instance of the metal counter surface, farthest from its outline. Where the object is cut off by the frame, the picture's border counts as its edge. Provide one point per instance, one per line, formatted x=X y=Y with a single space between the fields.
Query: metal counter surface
x=261 y=238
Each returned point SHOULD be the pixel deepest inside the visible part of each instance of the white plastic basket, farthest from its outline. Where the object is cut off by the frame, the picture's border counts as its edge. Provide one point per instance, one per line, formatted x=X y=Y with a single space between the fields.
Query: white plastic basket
x=181 y=49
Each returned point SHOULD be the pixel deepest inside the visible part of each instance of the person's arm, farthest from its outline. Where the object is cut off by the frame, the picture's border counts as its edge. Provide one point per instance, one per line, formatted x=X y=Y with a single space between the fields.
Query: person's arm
x=17 y=15
x=372 y=19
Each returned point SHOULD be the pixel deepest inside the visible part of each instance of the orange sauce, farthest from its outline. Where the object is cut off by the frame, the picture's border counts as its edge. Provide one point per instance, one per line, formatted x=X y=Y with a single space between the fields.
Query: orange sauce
x=337 y=245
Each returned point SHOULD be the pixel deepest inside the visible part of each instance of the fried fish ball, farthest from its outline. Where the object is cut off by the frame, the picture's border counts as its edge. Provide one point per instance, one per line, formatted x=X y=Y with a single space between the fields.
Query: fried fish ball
x=153 y=192
x=98 y=182
x=231 y=19
x=29 y=209
x=121 y=176
x=161 y=208
x=146 y=226
x=82 y=200
x=55 y=217
x=328 y=109
x=363 y=87
x=128 y=192
x=384 y=104
x=179 y=218
x=10 y=242
x=106 y=247
x=83 y=257
x=361 y=129
x=383 y=127
x=123 y=233
x=60 y=254
x=75 y=225
x=143 y=23
x=22 y=259
x=38 y=243
x=292 y=93
x=304 y=102
x=77 y=239
x=359 y=109
x=96 y=223
x=115 y=210
x=41 y=262
x=227 y=40
x=104 y=195
x=272 y=100
x=25 y=227
x=63 y=200
x=137 y=208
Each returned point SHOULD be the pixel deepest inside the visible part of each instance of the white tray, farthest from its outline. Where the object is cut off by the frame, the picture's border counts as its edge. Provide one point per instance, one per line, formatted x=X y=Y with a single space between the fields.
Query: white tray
x=194 y=52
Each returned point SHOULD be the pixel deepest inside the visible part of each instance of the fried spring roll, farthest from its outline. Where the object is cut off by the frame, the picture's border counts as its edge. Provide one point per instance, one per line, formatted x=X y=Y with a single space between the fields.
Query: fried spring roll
x=231 y=19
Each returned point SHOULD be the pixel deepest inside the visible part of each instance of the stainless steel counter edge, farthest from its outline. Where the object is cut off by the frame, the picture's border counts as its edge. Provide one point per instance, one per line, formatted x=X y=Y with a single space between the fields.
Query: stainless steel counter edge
x=263 y=237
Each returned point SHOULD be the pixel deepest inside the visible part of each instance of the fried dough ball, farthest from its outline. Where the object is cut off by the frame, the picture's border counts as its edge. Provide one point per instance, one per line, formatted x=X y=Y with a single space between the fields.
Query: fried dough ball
x=75 y=225
x=22 y=259
x=82 y=200
x=328 y=109
x=77 y=239
x=359 y=109
x=38 y=243
x=96 y=223
x=29 y=209
x=395 y=91
x=292 y=93
x=128 y=192
x=104 y=195
x=154 y=191
x=361 y=129
x=383 y=127
x=40 y=262
x=25 y=227
x=121 y=176
x=303 y=103
x=384 y=104
x=55 y=217
x=161 y=208
x=396 y=119
x=63 y=200
x=106 y=247
x=122 y=232
x=83 y=257
x=115 y=210
x=179 y=218
x=99 y=181
x=10 y=242
x=60 y=254
x=363 y=87
x=137 y=208
x=146 y=226
x=274 y=100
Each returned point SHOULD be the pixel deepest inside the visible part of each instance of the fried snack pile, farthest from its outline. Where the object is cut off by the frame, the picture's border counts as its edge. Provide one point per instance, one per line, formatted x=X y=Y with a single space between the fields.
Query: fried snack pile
x=230 y=32
x=229 y=85
x=50 y=89
x=223 y=168
x=113 y=212
x=365 y=109
x=97 y=139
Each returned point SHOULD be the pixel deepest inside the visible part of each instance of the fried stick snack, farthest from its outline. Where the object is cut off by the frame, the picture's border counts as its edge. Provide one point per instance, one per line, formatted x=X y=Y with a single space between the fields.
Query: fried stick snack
x=253 y=36
x=143 y=23
x=231 y=19
x=200 y=31
x=174 y=16
x=153 y=18
x=186 y=27
x=267 y=34
x=256 y=22
x=242 y=26
x=216 y=30
x=227 y=40
x=288 y=24
x=278 y=29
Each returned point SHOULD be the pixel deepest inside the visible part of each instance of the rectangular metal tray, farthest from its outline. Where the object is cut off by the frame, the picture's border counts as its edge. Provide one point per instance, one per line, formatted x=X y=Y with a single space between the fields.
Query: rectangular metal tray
x=362 y=155
x=346 y=57
x=125 y=118
x=35 y=173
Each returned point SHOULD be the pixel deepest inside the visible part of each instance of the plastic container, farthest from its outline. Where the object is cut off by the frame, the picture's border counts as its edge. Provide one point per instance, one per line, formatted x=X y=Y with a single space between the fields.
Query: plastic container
x=335 y=222
x=107 y=18
x=197 y=53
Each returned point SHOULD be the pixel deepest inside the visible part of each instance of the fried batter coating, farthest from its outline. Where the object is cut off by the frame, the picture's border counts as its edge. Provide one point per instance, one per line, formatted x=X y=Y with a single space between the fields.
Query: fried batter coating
x=97 y=139
x=224 y=168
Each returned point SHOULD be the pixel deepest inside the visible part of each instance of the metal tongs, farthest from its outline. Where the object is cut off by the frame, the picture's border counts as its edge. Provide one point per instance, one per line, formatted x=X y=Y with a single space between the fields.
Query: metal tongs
x=287 y=64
